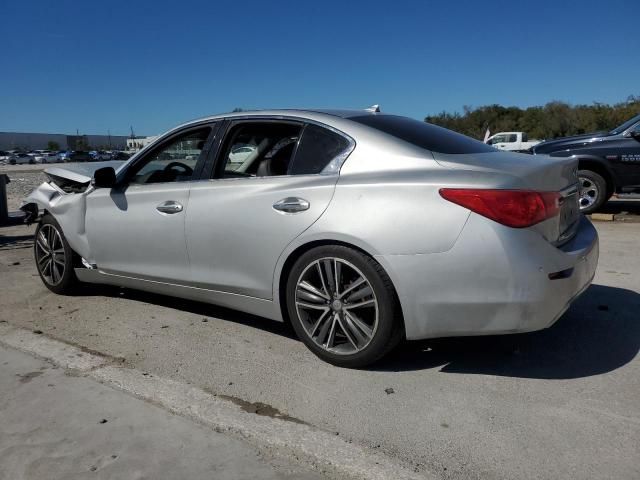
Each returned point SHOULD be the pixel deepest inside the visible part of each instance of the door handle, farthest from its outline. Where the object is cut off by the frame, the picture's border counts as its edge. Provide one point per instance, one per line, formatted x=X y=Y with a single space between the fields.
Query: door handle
x=291 y=205
x=169 y=206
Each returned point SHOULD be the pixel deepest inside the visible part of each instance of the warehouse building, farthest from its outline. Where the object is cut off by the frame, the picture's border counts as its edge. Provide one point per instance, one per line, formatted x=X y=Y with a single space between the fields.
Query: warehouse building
x=41 y=141
x=137 y=143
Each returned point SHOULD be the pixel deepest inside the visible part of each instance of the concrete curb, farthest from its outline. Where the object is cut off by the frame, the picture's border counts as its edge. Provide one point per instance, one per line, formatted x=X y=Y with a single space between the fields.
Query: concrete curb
x=277 y=437
x=602 y=217
x=614 y=217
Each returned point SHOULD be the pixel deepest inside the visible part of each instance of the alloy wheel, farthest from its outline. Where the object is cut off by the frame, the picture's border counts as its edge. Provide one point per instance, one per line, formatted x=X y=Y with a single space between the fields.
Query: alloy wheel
x=337 y=306
x=50 y=255
x=589 y=192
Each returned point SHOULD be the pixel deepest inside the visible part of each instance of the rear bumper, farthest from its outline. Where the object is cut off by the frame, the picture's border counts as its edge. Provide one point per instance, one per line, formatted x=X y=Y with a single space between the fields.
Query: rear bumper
x=494 y=280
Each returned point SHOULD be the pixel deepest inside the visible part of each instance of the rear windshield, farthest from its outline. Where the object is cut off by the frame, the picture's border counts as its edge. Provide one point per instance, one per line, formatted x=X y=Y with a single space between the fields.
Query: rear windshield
x=423 y=135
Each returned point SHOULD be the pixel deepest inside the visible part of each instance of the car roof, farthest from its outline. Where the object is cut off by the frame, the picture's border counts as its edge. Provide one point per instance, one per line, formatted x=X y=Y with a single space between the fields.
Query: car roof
x=313 y=114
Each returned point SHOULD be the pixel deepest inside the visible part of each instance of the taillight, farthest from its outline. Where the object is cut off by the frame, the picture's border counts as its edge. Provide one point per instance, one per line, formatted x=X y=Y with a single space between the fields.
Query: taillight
x=513 y=208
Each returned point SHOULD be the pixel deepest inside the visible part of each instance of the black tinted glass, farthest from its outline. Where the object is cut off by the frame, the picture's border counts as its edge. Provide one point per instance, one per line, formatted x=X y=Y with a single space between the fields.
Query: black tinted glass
x=423 y=135
x=317 y=148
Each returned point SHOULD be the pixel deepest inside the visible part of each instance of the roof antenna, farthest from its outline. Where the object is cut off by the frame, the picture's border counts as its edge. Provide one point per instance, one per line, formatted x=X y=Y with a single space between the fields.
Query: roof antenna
x=373 y=108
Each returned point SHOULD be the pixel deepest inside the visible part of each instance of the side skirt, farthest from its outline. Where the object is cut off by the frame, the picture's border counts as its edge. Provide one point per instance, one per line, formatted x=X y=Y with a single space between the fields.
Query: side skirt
x=255 y=306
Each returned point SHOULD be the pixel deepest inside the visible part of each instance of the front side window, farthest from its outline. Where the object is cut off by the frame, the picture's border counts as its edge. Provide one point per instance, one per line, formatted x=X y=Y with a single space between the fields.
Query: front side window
x=261 y=149
x=512 y=138
x=175 y=161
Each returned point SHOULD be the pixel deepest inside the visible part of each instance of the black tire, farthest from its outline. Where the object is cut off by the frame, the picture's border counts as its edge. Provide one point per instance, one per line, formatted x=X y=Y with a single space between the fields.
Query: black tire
x=593 y=191
x=65 y=282
x=389 y=328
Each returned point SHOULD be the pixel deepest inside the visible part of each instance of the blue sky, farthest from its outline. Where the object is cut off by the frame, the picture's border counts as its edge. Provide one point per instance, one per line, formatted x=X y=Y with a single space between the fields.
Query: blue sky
x=106 y=65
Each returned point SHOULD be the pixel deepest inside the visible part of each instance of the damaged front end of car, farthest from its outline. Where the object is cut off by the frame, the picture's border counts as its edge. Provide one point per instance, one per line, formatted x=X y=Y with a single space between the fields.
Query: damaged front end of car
x=63 y=195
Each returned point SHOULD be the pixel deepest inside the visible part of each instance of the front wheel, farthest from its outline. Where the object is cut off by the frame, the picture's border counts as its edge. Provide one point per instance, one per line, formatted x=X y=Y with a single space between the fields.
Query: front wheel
x=593 y=191
x=343 y=306
x=54 y=257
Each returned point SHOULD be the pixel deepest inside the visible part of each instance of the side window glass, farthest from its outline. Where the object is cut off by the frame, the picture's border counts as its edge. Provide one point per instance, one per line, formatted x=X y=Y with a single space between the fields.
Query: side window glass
x=317 y=148
x=512 y=138
x=172 y=162
x=259 y=149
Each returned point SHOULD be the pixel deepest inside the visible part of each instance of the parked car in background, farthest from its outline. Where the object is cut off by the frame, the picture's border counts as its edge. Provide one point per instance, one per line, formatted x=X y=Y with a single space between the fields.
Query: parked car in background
x=64 y=155
x=80 y=156
x=4 y=156
x=511 y=141
x=608 y=162
x=119 y=155
x=43 y=156
x=21 y=158
x=51 y=157
x=308 y=230
x=36 y=155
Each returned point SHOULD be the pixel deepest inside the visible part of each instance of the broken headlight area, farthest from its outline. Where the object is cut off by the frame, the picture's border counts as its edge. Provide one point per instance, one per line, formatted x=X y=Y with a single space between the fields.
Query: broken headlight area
x=67 y=185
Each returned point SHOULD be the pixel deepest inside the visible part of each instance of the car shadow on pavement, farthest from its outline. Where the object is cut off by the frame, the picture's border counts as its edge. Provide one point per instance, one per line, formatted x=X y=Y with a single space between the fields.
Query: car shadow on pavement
x=11 y=242
x=207 y=310
x=599 y=333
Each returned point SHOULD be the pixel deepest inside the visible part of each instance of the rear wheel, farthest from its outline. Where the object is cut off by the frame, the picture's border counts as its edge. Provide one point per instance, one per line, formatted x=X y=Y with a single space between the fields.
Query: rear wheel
x=343 y=306
x=593 y=191
x=54 y=257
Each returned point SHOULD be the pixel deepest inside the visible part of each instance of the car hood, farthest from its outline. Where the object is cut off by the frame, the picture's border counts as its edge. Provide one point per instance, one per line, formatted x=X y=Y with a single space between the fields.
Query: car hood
x=81 y=172
x=565 y=143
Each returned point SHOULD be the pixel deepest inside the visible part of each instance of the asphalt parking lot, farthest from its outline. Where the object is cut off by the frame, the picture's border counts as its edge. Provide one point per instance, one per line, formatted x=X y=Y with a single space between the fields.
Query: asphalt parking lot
x=561 y=403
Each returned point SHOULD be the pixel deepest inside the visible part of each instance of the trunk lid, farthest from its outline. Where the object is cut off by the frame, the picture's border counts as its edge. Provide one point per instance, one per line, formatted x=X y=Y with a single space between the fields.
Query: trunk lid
x=528 y=172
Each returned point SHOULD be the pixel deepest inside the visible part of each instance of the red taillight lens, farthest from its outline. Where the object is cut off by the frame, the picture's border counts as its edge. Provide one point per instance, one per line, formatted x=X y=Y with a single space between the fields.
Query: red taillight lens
x=513 y=208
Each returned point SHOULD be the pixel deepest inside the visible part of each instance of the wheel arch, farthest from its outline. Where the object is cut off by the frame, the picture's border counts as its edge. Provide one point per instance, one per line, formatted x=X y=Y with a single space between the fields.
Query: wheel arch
x=283 y=273
x=598 y=166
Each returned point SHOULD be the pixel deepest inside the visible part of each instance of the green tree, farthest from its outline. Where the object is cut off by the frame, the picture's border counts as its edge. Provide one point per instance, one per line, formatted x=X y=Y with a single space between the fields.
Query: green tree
x=51 y=145
x=555 y=119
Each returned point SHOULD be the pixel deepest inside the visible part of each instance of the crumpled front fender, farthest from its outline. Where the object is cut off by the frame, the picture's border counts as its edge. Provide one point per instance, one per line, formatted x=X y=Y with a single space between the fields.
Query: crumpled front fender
x=69 y=210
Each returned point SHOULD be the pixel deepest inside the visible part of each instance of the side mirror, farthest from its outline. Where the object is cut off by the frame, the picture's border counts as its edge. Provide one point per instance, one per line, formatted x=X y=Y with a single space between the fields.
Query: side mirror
x=104 y=178
x=635 y=134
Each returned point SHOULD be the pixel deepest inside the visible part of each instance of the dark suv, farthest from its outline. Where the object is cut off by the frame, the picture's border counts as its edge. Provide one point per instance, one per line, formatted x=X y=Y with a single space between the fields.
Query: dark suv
x=608 y=162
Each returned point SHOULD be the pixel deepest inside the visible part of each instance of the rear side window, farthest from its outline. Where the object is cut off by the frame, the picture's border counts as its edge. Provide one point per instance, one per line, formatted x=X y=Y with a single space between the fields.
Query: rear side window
x=424 y=135
x=318 y=146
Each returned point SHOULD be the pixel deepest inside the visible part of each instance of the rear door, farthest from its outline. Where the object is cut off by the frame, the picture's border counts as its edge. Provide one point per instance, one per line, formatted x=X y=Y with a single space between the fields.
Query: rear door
x=267 y=187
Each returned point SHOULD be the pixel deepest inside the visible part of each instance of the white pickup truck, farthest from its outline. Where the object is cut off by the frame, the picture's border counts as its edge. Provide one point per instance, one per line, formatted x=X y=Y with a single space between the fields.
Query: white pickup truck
x=511 y=141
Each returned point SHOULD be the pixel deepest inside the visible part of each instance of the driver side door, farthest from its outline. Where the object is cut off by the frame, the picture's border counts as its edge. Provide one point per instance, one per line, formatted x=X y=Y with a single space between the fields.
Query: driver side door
x=136 y=229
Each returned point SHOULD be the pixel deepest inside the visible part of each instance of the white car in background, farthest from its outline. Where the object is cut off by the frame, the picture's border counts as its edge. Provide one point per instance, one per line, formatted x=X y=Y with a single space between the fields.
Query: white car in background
x=51 y=157
x=44 y=156
x=240 y=155
x=511 y=141
x=19 y=158
x=4 y=156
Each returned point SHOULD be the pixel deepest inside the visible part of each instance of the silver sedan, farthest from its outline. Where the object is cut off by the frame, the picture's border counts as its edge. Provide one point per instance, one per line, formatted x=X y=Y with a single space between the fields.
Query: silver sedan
x=358 y=227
